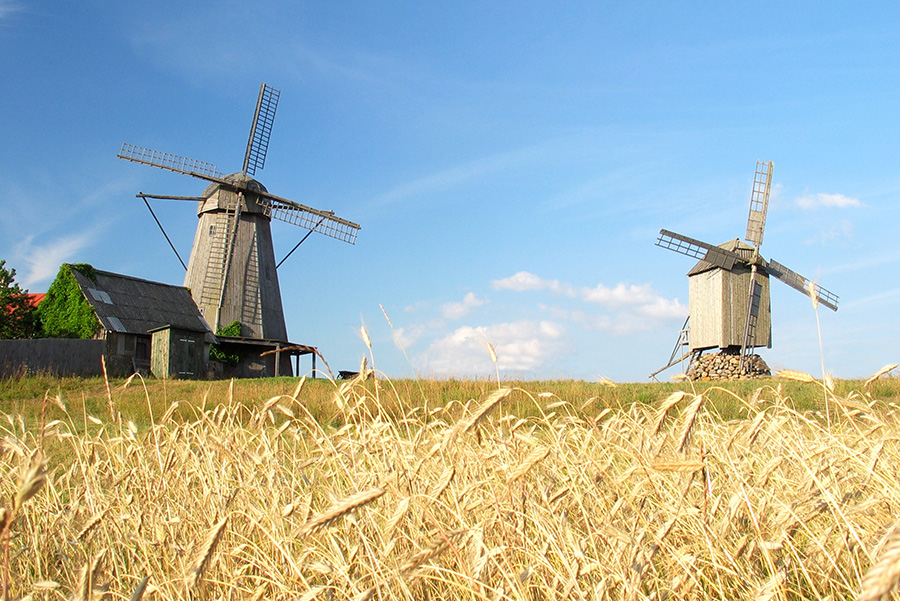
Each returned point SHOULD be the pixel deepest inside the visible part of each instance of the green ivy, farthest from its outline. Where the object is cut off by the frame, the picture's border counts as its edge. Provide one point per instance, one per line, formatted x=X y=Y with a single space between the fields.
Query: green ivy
x=215 y=352
x=64 y=312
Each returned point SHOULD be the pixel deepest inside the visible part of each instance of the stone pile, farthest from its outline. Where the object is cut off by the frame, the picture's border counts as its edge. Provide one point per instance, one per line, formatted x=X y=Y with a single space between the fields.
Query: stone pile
x=724 y=365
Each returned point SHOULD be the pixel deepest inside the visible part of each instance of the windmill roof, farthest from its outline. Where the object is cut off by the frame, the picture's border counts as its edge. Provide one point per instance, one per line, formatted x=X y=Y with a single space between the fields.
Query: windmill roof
x=736 y=246
x=237 y=179
x=135 y=306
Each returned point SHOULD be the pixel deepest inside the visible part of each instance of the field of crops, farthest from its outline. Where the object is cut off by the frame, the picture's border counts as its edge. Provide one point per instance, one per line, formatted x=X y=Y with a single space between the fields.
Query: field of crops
x=372 y=489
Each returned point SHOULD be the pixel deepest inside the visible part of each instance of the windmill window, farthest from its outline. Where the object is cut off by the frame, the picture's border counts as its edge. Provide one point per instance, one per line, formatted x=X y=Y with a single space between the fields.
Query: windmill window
x=212 y=231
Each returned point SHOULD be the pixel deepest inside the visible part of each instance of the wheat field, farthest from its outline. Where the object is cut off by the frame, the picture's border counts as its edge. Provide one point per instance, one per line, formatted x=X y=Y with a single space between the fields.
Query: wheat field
x=464 y=499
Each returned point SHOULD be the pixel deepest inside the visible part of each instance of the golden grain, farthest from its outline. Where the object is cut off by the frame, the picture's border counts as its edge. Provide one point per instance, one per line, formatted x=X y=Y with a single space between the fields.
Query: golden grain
x=340 y=509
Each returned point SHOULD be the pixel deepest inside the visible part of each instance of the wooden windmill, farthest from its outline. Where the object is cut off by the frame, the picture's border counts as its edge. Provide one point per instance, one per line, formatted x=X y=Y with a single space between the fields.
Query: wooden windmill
x=728 y=298
x=231 y=273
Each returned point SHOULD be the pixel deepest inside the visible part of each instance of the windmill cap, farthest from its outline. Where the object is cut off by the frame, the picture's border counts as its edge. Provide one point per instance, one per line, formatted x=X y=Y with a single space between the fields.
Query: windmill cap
x=736 y=246
x=239 y=180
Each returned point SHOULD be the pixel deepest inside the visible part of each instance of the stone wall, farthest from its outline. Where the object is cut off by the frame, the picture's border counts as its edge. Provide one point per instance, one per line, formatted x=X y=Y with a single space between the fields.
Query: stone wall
x=725 y=366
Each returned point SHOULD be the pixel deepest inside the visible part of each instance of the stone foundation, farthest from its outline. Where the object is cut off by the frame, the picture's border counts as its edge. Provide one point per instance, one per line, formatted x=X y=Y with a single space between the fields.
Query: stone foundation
x=724 y=366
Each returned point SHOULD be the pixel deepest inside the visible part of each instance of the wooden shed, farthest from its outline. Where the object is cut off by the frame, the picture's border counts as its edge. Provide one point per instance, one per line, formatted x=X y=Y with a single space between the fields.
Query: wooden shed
x=178 y=353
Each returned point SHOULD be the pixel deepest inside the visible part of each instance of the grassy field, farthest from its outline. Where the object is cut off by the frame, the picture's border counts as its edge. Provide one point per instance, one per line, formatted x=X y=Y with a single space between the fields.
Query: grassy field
x=457 y=489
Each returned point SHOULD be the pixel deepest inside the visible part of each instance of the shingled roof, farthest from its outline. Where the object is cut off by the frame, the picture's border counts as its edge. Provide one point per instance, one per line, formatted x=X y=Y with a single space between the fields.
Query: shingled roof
x=135 y=306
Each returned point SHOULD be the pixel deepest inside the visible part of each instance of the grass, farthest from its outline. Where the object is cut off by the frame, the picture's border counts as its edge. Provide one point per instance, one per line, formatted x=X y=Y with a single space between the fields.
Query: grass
x=276 y=489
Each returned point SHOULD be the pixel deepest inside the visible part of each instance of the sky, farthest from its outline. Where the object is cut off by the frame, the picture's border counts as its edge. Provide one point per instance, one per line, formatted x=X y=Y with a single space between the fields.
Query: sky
x=510 y=163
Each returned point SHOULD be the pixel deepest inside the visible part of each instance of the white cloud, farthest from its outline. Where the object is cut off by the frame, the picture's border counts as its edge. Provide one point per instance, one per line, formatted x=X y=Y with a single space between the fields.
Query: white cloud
x=520 y=346
x=523 y=281
x=462 y=308
x=811 y=202
x=42 y=262
x=619 y=295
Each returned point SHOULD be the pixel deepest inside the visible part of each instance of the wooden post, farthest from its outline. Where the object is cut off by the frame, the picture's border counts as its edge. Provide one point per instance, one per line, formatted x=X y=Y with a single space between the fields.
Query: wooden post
x=277 y=359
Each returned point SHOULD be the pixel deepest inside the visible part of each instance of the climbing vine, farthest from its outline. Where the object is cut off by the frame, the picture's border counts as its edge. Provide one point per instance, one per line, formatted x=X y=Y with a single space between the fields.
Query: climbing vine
x=64 y=312
x=216 y=353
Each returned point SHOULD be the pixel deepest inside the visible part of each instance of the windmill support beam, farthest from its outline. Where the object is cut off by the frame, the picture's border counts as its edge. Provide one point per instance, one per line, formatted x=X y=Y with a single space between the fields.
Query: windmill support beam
x=162 y=229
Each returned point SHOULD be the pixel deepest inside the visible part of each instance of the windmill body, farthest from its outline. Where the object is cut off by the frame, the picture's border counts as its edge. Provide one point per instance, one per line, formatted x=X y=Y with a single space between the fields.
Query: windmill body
x=242 y=287
x=717 y=301
x=729 y=305
x=232 y=273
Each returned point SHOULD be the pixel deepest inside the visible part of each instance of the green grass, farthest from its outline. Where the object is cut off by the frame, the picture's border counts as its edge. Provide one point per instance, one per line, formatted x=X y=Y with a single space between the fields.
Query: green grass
x=141 y=400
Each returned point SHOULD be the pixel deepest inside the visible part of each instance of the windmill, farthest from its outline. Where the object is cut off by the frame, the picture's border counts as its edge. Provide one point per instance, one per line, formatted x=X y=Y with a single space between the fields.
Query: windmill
x=232 y=273
x=728 y=301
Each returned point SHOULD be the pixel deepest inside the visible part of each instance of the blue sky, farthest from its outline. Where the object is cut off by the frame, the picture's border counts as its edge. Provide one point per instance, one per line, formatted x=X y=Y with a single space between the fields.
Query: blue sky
x=510 y=164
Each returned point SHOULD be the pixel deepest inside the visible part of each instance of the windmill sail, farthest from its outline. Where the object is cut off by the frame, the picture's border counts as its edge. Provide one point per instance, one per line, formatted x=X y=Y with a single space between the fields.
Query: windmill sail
x=802 y=284
x=713 y=255
x=261 y=130
x=322 y=222
x=170 y=162
x=759 y=203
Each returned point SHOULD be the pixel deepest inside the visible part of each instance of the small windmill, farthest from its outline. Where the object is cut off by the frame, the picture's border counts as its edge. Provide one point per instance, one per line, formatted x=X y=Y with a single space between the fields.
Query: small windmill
x=728 y=300
x=231 y=273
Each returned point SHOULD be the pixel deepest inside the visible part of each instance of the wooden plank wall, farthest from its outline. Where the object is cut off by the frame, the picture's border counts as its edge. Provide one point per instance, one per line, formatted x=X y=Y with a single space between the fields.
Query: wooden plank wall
x=56 y=356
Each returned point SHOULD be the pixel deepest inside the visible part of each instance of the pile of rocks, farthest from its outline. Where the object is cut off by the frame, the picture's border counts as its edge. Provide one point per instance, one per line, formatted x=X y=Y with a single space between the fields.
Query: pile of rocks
x=725 y=365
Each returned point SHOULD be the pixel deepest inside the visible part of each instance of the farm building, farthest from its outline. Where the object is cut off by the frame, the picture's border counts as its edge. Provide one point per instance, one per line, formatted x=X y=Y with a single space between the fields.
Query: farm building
x=124 y=311
x=139 y=326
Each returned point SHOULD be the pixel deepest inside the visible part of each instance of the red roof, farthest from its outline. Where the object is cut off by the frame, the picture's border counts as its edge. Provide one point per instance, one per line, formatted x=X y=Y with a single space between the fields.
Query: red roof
x=36 y=298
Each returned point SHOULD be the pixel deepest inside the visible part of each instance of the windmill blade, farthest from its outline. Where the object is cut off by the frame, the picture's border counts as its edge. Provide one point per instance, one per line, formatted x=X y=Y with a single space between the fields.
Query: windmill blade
x=754 y=299
x=171 y=162
x=322 y=222
x=714 y=255
x=759 y=203
x=263 y=118
x=800 y=283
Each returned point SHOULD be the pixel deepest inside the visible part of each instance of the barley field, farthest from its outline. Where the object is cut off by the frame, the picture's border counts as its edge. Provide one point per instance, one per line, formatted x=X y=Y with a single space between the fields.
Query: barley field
x=784 y=488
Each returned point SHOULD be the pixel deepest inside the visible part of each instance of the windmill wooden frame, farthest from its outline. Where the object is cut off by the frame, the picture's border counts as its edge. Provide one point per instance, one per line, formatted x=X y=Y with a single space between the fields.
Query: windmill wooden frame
x=728 y=303
x=232 y=273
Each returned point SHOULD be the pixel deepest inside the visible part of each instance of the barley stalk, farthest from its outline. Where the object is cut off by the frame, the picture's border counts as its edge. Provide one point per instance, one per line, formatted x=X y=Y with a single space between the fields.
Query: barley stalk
x=340 y=509
x=536 y=456
x=205 y=554
x=690 y=419
x=883 y=576
x=887 y=368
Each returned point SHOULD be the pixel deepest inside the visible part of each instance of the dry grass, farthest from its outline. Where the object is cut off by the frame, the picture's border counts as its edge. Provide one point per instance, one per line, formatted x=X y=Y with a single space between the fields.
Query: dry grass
x=514 y=493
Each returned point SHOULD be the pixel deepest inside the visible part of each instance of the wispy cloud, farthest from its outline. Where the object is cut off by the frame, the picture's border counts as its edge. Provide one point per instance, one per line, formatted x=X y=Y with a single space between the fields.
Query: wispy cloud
x=456 y=310
x=810 y=202
x=523 y=281
x=453 y=176
x=42 y=260
x=9 y=7
x=515 y=160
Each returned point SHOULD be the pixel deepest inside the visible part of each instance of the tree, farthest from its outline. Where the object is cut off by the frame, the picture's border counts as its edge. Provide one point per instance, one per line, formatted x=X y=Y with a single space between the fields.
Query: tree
x=18 y=315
